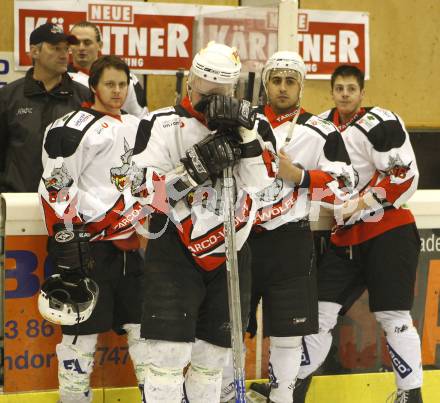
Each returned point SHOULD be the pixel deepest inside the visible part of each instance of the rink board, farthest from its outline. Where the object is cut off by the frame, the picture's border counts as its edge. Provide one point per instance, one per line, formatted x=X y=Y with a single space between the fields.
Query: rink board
x=361 y=388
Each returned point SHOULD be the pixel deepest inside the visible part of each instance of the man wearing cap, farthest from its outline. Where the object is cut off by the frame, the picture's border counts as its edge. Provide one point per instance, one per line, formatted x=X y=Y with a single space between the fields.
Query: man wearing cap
x=29 y=104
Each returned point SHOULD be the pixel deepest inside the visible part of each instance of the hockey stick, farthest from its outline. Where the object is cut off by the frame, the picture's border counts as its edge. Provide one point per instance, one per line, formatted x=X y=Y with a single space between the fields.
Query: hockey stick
x=233 y=285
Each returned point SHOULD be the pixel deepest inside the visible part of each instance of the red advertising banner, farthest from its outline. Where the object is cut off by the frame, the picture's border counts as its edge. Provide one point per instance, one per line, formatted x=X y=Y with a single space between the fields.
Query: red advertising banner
x=325 y=38
x=158 y=38
x=150 y=37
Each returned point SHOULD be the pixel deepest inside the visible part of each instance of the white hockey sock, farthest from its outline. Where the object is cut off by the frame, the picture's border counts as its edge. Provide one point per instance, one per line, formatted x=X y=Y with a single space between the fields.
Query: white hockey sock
x=204 y=377
x=228 y=386
x=403 y=344
x=138 y=350
x=285 y=359
x=75 y=364
x=317 y=346
x=164 y=376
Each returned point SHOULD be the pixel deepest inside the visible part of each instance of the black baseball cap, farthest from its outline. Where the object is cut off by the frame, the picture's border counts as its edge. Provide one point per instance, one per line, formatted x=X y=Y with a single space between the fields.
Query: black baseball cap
x=51 y=33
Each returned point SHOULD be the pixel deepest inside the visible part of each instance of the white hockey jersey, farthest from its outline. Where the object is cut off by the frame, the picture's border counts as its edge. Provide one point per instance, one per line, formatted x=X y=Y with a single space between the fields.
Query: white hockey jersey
x=131 y=105
x=317 y=147
x=197 y=214
x=385 y=166
x=87 y=160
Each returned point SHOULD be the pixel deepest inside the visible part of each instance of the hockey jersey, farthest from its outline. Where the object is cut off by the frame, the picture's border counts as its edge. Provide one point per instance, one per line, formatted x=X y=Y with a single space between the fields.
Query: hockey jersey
x=134 y=104
x=317 y=147
x=197 y=213
x=385 y=166
x=87 y=161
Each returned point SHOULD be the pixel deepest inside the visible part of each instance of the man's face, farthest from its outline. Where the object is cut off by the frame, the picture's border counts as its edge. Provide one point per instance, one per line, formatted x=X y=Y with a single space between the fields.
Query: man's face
x=347 y=95
x=111 y=91
x=88 y=48
x=52 y=58
x=283 y=88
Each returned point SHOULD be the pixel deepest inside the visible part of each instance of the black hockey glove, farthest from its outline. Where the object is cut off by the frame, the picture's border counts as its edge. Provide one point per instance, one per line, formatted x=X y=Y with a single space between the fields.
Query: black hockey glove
x=70 y=251
x=207 y=159
x=224 y=111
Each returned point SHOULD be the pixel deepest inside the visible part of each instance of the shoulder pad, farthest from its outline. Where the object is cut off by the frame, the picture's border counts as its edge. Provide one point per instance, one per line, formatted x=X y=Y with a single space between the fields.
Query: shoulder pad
x=63 y=138
x=323 y=126
x=325 y=115
x=80 y=120
x=383 y=129
x=264 y=129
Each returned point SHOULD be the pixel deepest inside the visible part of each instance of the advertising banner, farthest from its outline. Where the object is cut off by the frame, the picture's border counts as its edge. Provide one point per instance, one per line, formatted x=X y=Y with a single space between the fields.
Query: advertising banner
x=159 y=38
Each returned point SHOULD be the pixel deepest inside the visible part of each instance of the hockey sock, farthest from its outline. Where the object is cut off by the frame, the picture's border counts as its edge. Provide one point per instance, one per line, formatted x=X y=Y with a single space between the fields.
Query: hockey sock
x=164 y=376
x=317 y=346
x=284 y=362
x=75 y=364
x=204 y=377
x=403 y=344
x=138 y=351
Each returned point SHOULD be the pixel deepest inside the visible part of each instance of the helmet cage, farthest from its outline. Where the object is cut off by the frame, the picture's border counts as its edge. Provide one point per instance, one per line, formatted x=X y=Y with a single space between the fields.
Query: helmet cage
x=66 y=303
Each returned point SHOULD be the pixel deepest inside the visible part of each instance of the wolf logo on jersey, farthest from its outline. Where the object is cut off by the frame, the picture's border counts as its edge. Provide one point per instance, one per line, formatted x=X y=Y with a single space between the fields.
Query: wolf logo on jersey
x=58 y=180
x=119 y=174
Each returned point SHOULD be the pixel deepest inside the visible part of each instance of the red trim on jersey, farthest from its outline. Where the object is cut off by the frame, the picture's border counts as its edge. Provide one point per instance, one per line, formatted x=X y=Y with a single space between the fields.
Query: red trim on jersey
x=128 y=244
x=51 y=217
x=342 y=126
x=269 y=160
x=319 y=189
x=276 y=120
x=186 y=104
x=90 y=105
x=363 y=231
x=394 y=190
x=270 y=212
x=160 y=197
x=211 y=240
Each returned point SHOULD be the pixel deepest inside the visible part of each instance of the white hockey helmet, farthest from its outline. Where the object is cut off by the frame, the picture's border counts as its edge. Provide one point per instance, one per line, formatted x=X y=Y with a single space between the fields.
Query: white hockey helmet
x=284 y=60
x=217 y=63
x=66 y=303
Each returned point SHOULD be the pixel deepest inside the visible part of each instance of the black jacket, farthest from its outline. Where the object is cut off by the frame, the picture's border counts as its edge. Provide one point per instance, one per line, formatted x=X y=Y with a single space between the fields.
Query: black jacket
x=26 y=108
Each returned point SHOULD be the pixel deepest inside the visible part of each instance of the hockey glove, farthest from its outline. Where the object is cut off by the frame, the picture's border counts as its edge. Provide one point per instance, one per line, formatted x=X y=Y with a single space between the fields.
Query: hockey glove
x=70 y=252
x=224 y=111
x=207 y=159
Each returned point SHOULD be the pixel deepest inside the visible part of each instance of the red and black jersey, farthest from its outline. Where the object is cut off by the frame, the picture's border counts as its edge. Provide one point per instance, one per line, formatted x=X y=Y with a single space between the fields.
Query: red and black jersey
x=385 y=166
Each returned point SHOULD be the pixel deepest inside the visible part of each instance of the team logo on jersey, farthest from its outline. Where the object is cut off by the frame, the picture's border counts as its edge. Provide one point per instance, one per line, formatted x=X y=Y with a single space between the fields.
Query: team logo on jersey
x=120 y=176
x=58 y=184
x=396 y=167
x=272 y=192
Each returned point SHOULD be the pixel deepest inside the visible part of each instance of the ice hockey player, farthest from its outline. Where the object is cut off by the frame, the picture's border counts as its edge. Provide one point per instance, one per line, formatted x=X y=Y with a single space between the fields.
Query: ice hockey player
x=314 y=165
x=90 y=215
x=377 y=245
x=180 y=164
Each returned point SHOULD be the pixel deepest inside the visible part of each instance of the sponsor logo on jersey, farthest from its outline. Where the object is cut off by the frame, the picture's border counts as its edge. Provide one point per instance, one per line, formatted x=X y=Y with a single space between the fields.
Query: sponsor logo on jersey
x=170 y=123
x=399 y=364
x=120 y=176
x=80 y=120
